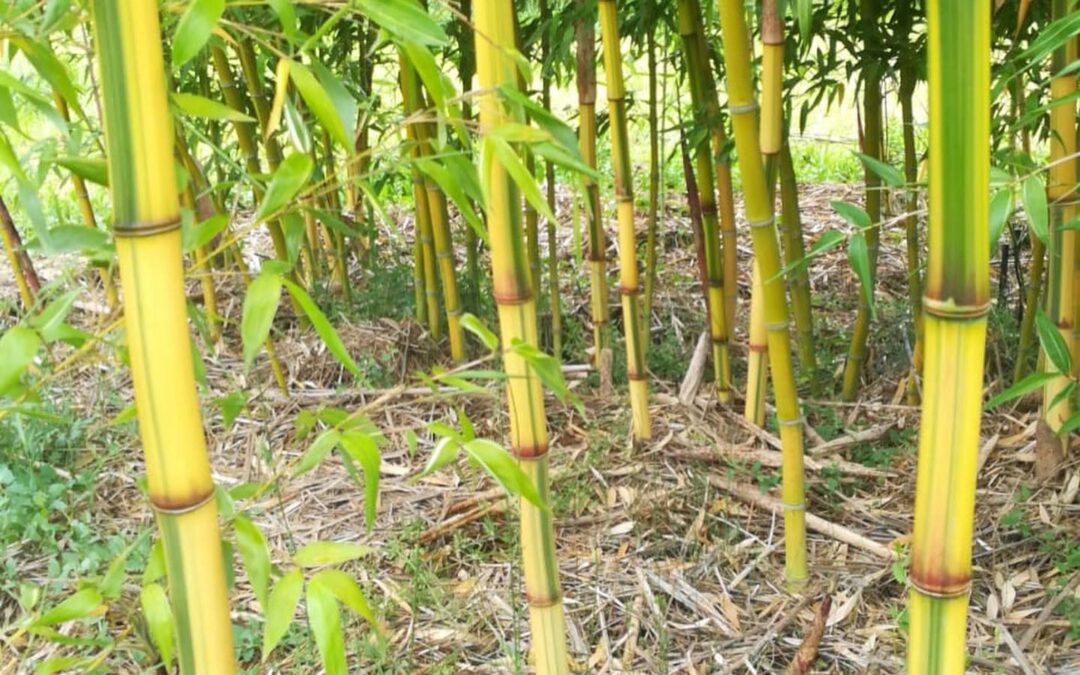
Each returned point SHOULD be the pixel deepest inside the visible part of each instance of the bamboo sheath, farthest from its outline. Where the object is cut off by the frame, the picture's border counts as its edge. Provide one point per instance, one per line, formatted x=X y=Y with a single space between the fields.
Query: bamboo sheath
x=955 y=311
x=629 y=278
x=146 y=213
x=760 y=215
x=514 y=296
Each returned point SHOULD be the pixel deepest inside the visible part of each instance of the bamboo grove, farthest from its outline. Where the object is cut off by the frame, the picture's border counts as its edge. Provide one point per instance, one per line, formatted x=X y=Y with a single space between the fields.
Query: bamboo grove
x=230 y=169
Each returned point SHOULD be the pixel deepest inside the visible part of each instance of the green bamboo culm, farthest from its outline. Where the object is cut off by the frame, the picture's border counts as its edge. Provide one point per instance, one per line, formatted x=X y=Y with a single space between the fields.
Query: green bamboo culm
x=146 y=214
x=689 y=13
x=762 y=221
x=629 y=278
x=872 y=135
x=955 y=307
x=515 y=297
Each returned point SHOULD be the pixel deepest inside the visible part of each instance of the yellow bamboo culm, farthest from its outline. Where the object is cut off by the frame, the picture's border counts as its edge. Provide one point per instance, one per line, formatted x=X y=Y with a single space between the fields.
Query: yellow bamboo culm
x=1062 y=195
x=147 y=227
x=955 y=308
x=760 y=215
x=758 y=358
x=629 y=284
x=515 y=297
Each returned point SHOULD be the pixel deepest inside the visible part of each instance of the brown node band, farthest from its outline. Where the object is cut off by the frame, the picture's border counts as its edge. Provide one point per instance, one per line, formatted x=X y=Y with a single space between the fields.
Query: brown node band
x=512 y=298
x=146 y=228
x=167 y=507
x=761 y=349
x=540 y=604
x=944 y=591
x=631 y=290
x=529 y=451
x=637 y=377
x=721 y=340
x=947 y=309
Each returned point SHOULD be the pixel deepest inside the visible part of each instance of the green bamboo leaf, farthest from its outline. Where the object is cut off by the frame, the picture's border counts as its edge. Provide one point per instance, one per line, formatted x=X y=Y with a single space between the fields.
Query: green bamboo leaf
x=194 y=29
x=859 y=257
x=299 y=135
x=112 y=583
x=324 y=618
x=197 y=235
x=200 y=106
x=852 y=213
x=323 y=444
x=18 y=347
x=55 y=12
x=555 y=127
x=435 y=81
x=886 y=172
x=502 y=466
x=78 y=606
x=1066 y=392
x=1028 y=384
x=50 y=68
x=524 y=179
x=159 y=620
x=405 y=19
x=10 y=160
x=1001 y=207
x=320 y=103
x=260 y=306
x=805 y=10
x=77 y=238
x=1033 y=194
x=451 y=185
x=322 y=553
x=155 y=563
x=343 y=101
x=1057 y=350
x=93 y=169
x=475 y=326
x=322 y=326
x=255 y=555
x=345 y=589
x=49 y=321
x=549 y=371
x=280 y=609
x=287 y=16
x=445 y=452
x=364 y=450
x=289 y=178
x=1070 y=425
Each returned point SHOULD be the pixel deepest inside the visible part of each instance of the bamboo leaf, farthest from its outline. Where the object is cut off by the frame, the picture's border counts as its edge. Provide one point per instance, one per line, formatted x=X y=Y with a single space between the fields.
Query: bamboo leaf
x=365 y=451
x=297 y=130
x=852 y=213
x=886 y=172
x=859 y=257
x=93 y=169
x=288 y=180
x=255 y=555
x=323 y=444
x=549 y=371
x=323 y=327
x=343 y=101
x=521 y=175
x=1028 y=384
x=280 y=609
x=1057 y=350
x=406 y=19
x=1070 y=425
x=77 y=238
x=49 y=322
x=281 y=90
x=805 y=9
x=322 y=553
x=324 y=618
x=1033 y=194
x=200 y=106
x=18 y=347
x=345 y=589
x=320 y=103
x=430 y=73
x=1001 y=207
x=475 y=326
x=159 y=620
x=78 y=606
x=502 y=466
x=197 y=235
x=260 y=305
x=194 y=29
x=446 y=450
x=51 y=69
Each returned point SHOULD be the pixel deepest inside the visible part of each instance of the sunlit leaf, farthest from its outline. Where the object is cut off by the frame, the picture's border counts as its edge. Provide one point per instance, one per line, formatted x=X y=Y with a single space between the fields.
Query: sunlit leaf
x=192 y=33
